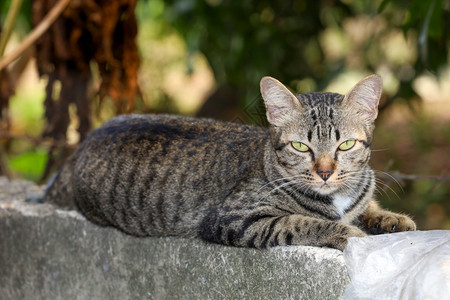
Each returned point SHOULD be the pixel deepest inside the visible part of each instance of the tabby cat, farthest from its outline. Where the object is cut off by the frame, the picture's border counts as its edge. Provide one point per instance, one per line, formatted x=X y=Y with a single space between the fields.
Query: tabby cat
x=305 y=180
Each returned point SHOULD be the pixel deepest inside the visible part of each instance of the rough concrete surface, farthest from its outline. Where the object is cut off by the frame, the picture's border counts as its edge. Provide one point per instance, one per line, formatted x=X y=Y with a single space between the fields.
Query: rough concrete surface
x=46 y=253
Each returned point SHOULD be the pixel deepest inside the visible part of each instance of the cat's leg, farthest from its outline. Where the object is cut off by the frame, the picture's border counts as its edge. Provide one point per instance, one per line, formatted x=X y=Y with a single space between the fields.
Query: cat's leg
x=377 y=220
x=262 y=230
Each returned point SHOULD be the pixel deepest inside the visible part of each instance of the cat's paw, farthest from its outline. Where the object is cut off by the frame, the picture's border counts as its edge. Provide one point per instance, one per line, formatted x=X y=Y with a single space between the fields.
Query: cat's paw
x=388 y=222
x=340 y=241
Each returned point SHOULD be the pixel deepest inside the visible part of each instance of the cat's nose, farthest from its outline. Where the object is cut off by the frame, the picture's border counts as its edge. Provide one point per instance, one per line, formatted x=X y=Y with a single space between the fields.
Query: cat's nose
x=324 y=174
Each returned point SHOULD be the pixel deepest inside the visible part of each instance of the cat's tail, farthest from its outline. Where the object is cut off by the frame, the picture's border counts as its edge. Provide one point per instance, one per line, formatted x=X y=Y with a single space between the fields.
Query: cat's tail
x=59 y=188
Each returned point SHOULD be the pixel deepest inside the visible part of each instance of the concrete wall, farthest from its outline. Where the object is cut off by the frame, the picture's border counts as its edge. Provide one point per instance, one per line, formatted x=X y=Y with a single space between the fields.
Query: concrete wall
x=47 y=253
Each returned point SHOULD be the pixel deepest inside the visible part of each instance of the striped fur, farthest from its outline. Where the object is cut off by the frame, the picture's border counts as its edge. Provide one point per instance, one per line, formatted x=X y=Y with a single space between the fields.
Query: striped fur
x=234 y=184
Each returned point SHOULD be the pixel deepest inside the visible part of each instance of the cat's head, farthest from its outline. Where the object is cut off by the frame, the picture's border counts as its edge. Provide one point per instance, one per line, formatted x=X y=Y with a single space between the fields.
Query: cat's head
x=321 y=140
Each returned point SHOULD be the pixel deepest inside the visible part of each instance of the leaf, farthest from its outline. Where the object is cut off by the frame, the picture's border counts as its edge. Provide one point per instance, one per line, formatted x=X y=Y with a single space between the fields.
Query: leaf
x=30 y=164
x=383 y=5
x=436 y=21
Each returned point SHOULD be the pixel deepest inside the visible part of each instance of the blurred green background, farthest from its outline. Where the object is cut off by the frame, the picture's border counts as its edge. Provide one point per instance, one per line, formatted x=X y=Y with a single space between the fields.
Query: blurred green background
x=206 y=58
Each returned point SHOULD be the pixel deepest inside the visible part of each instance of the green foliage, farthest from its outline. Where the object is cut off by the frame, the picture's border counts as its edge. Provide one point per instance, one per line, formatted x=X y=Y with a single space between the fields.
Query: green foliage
x=30 y=164
x=431 y=21
x=26 y=111
x=24 y=18
x=245 y=40
x=417 y=146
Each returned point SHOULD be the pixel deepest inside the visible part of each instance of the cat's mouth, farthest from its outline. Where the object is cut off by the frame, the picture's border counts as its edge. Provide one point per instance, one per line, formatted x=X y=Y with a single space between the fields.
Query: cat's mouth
x=325 y=188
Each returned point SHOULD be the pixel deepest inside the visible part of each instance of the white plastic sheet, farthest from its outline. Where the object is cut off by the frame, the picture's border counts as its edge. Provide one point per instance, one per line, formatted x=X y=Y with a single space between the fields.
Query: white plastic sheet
x=405 y=265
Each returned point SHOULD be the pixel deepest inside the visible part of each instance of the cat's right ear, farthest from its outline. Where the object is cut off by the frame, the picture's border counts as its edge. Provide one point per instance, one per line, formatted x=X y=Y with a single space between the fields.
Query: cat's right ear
x=280 y=102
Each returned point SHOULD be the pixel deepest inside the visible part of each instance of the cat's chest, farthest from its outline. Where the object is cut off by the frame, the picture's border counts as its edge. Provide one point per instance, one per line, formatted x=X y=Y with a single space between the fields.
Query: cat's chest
x=342 y=203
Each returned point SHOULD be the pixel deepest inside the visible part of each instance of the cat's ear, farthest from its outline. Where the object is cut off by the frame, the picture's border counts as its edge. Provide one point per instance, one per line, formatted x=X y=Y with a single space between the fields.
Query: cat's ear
x=280 y=102
x=364 y=97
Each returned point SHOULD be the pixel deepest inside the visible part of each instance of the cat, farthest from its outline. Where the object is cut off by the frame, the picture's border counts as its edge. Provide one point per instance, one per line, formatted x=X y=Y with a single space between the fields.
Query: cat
x=304 y=180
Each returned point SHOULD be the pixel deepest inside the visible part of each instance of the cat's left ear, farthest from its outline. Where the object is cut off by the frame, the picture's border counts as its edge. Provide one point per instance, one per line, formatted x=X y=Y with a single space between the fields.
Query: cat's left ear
x=364 y=97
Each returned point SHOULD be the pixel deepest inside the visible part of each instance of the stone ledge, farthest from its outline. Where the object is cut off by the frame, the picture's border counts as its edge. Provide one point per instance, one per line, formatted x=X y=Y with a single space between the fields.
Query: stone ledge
x=46 y=253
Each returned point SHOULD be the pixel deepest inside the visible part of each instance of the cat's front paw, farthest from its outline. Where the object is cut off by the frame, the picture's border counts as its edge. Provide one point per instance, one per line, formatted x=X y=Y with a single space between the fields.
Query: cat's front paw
x=388 y=222
x=340 y=240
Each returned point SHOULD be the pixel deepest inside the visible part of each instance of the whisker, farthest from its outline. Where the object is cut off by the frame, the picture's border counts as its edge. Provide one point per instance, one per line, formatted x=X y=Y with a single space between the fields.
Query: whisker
x=379 y=181
x=348 y=180
x=391 y=177
x=382 y=192
x=282 y=185
x=279 y=179
x=379 y=150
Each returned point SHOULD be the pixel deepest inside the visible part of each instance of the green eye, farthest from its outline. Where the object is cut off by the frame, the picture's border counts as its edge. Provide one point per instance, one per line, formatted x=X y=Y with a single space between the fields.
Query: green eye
x=347 y=145
x=300 y=146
